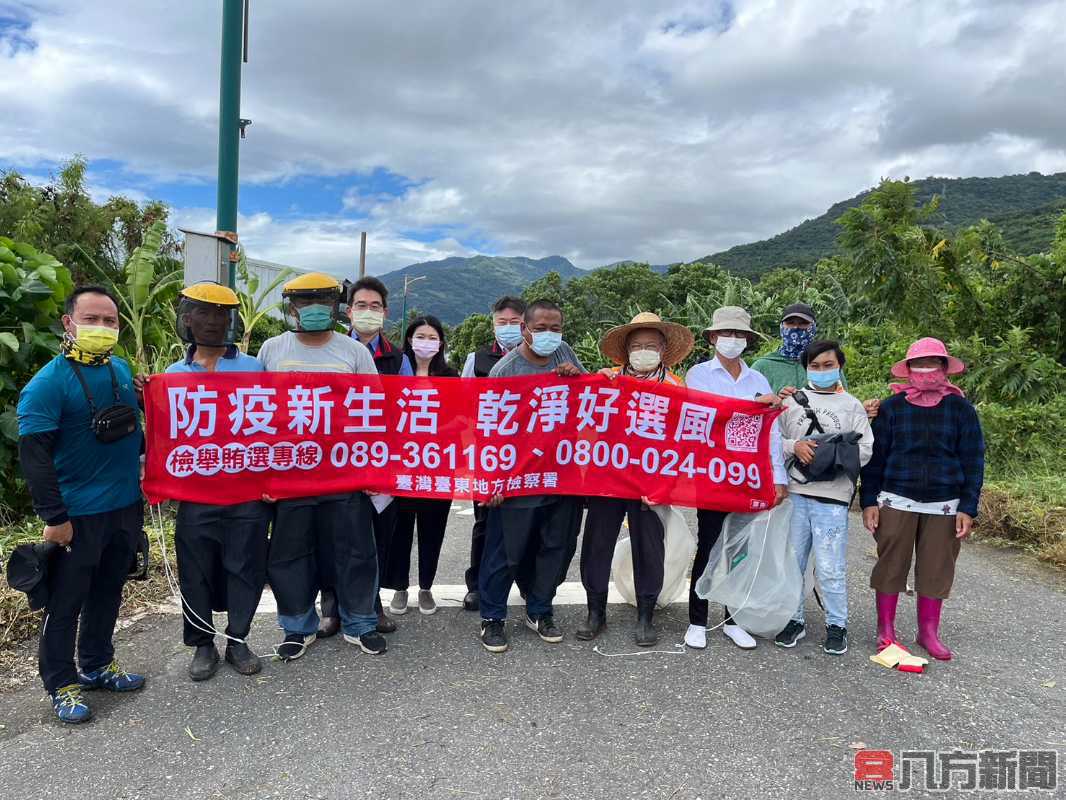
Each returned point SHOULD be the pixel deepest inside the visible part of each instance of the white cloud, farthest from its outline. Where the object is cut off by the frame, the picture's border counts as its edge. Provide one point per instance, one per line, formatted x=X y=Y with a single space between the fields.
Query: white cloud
x=329 y=245
x=599 y=130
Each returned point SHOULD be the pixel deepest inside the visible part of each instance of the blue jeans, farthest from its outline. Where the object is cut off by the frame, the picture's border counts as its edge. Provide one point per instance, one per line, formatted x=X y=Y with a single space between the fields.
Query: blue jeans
x=823 y=528
x=307 y=623
x=537 y=539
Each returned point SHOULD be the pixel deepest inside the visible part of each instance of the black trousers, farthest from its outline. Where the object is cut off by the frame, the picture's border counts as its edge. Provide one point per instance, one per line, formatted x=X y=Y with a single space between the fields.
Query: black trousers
x=323 y=542
x=222 y=558
x=431 y=517
x=708 y=529
x=646 y=538
x=383 y=524
x=85 y=586
x=384 y=529
x=477 y=546
x=543 y=537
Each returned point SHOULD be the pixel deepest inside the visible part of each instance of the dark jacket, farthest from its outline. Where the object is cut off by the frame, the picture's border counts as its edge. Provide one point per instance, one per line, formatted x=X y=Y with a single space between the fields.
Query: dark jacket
x=387 y=358
x=485 y=359
x=926 y=454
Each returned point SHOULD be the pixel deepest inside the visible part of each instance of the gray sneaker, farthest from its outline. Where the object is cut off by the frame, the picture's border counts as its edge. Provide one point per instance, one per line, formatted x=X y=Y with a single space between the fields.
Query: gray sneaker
x=426 y=603
x=398 y=604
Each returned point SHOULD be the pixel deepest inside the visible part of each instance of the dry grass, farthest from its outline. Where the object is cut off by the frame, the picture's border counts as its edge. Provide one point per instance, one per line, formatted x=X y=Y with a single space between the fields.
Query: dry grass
x=18 y=624
x=1028 y=511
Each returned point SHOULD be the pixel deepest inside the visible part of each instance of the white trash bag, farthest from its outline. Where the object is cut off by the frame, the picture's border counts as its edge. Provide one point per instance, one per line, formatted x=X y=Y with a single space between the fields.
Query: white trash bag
x=752 y=569
x=680 y=548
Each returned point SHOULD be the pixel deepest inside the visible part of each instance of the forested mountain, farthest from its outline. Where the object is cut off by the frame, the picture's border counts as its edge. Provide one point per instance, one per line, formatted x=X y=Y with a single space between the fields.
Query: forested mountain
x=1023 y=206
x=456 y=287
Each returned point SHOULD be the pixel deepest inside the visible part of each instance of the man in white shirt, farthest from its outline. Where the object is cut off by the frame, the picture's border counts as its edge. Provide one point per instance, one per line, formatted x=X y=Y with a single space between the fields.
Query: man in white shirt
x=730 y=333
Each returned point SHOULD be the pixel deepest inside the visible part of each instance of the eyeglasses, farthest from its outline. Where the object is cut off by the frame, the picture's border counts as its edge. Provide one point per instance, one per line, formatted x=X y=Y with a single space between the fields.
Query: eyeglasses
x=655 y=348
x=360 y=306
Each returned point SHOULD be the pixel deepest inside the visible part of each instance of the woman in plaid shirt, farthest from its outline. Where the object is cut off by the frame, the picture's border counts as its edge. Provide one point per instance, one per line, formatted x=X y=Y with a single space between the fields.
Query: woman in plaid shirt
x=921 y=487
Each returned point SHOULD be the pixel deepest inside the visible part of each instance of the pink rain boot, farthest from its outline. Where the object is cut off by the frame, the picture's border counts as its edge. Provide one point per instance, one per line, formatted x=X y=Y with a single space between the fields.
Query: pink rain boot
x=928 y=625
x=886 y=619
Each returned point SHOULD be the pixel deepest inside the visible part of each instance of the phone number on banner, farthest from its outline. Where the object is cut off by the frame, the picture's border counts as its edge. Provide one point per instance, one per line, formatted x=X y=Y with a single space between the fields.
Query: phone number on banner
x=211 y=459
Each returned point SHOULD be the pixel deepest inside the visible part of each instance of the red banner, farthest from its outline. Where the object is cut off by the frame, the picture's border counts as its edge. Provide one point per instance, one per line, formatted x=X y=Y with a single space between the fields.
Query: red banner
x=231 y=437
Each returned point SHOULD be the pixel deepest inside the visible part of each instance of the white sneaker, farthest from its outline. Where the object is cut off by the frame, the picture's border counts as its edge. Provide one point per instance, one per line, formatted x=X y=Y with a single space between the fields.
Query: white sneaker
x=398 y=604
x=696 y=637
x=741 y=638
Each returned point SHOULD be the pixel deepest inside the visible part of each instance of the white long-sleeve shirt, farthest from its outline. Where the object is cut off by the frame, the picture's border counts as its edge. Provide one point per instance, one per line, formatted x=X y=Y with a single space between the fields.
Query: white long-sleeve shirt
x=712 y=376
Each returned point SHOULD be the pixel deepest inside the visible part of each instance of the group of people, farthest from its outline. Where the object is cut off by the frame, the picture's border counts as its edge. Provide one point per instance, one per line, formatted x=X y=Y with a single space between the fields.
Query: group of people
x=920 y=453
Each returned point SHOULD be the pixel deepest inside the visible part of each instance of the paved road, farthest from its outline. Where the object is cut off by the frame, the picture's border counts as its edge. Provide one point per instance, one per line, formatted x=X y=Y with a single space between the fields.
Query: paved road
x=438 y=717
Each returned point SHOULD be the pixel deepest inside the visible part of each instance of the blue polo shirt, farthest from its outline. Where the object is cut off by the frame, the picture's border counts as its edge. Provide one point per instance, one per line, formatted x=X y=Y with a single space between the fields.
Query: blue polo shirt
x=233 y=361
x=94 y=477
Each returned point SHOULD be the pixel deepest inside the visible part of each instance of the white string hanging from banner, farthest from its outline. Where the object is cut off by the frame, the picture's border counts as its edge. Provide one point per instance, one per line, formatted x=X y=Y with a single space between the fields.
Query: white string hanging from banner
x=175 y=589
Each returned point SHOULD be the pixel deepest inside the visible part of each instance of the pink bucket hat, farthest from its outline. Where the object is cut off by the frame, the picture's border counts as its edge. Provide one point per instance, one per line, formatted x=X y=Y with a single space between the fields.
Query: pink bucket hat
x=924 y=348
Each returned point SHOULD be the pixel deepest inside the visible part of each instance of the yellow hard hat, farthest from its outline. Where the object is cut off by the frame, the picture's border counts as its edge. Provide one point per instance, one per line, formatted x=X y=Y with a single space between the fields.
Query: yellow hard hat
x=211 y=292
x=310 y=282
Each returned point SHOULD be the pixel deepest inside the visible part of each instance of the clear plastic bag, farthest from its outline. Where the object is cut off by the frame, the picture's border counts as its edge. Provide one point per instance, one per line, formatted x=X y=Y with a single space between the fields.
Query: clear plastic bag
x=752 y=569
x=680 y=548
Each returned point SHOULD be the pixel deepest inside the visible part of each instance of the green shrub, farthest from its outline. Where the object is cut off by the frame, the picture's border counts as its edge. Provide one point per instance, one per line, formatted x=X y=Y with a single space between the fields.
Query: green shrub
x=1023 y=435
x=33 y=287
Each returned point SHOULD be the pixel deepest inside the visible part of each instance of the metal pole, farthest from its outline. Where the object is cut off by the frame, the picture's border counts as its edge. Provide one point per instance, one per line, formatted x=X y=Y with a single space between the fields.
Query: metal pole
x=407 y=281
x=403 y=311
x=229 y=120
x=362 y=255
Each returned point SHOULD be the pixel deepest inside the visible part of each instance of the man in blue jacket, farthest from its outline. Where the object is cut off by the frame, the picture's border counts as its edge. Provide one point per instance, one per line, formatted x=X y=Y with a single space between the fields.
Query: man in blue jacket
x=84 y=478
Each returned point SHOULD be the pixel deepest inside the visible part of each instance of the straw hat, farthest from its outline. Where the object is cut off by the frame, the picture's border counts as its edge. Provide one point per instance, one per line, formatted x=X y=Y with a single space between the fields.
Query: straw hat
x=732 y=318
x=679 y=339
x=924 y=348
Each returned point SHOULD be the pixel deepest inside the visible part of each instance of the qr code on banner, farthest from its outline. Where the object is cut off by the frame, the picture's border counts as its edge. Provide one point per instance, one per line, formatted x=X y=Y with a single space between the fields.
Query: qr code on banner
x=742 y=433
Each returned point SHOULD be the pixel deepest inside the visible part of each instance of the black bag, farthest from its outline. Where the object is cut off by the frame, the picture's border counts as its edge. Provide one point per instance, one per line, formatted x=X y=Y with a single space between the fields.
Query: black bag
x=113 y=423
x=27 y=571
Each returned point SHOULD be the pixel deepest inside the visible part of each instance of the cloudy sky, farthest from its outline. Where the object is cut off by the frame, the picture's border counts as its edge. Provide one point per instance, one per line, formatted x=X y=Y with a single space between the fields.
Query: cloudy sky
x=599 y=130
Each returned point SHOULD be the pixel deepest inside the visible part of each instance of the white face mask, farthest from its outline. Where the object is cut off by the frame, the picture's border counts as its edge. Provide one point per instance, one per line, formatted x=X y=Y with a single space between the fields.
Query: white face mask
x=644 y=360
x=729 y=346
x=367 y=322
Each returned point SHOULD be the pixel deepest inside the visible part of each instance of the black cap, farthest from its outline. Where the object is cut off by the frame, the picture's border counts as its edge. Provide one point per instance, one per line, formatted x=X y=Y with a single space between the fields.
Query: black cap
x=798 y=310
x=27 y=571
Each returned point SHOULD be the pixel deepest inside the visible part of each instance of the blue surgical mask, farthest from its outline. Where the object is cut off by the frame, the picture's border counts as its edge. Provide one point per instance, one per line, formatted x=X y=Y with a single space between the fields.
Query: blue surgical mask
x=315 y=318
x=824 y=379
x=509 y=336
x=546 y=342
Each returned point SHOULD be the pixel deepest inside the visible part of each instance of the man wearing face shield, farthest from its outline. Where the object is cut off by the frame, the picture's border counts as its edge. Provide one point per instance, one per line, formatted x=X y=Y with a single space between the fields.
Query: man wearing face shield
x=221 y=550
x=84 y=481
x=507 y=335
x=324 y=542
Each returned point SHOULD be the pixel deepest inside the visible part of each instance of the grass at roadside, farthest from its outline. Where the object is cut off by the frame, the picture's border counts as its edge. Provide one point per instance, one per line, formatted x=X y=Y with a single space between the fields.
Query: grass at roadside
x=18 y=623
x=1027 y=509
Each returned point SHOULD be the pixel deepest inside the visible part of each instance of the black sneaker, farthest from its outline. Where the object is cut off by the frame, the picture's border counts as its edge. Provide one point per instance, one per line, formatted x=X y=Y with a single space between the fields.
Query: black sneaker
x=493 y=635
x=372 y=643
x=836 y=640
x=791 y=635
x=294 y=646
x=545 y=628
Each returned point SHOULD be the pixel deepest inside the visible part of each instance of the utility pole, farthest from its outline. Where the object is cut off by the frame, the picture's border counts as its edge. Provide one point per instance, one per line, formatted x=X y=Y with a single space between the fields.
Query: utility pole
x=407 y=281
x=230 y=125
x=362 y=255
